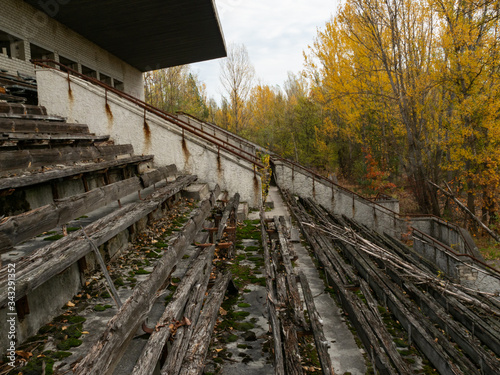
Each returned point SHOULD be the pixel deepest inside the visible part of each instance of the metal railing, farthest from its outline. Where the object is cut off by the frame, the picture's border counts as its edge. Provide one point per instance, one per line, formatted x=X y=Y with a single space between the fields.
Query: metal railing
x=458 y=256
x=376 y=206
x=220 y=143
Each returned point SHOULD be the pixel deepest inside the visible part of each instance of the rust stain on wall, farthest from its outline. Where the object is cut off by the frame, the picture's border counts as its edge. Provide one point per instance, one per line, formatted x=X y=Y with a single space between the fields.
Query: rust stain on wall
x=147 y=137
x=219 y=166
x=185 y=150
x=109 y=115
x=71 y=100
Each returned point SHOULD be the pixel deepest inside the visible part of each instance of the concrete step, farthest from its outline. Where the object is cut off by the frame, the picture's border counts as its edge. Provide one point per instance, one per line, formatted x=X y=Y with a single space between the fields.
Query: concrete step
x=243 y=210
x=197 y=192
x=269 y=203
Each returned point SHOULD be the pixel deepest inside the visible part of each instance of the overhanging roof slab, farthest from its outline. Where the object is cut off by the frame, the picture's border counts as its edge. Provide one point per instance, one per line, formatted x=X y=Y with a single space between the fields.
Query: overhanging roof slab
x=147 y=34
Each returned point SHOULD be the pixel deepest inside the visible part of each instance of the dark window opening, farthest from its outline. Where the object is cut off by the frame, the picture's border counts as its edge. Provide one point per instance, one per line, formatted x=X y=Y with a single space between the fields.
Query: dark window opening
x=39 y=53
x=119 y=85
x=69 y=63
x=89 y=72
x=105 y=79
x=11 y=46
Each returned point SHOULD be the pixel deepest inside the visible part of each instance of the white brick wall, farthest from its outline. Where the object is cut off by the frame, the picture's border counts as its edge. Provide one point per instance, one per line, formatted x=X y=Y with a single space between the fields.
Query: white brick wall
x=32 y=26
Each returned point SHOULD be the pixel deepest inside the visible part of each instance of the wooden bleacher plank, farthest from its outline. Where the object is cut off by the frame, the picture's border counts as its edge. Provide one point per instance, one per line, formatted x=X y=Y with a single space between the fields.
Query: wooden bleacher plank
x=8 y=125
x=19 y=137
x=42 y=265
x=36 y=158
x=156 y=175
x=30 y=224
x=42 y=177
x=22 y=109
x=112 y=150
x=32 y=117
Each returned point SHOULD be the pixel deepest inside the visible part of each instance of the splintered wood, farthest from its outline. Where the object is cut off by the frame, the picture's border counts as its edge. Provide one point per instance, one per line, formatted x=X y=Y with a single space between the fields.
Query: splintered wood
x=286 y=311
x=384 y=287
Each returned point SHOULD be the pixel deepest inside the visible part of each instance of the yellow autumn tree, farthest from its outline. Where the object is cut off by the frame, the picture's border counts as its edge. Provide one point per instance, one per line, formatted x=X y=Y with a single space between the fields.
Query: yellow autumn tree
x=469 y=70
x=415 y=83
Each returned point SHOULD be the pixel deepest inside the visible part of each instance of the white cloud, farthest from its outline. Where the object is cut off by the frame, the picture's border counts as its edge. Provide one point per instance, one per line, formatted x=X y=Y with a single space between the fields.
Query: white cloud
x=275 y=33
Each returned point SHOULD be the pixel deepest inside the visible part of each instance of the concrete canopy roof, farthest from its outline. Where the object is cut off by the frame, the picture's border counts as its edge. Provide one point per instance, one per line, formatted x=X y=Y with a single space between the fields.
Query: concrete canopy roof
x=147 y=34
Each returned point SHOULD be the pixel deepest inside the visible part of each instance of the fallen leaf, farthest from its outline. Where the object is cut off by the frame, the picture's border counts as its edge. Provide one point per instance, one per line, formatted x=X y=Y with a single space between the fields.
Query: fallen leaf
x=70 y=304
x=23 y=354
x=63 y=328
x=85 y=333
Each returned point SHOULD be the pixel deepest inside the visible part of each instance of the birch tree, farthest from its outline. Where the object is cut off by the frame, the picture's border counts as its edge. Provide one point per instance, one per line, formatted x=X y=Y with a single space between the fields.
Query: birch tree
x=236 y=76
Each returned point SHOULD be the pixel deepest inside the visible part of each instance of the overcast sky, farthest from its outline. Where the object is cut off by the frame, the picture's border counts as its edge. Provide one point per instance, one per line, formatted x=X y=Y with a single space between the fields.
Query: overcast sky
x=275 y=32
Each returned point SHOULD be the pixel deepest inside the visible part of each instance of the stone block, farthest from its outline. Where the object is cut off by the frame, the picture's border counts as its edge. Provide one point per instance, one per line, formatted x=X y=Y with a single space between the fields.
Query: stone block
x=197 y=192
x=242 y=211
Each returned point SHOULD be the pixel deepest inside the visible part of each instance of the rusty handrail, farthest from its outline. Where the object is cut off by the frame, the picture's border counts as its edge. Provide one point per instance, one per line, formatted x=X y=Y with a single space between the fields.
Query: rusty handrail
x=158 y=112
x=453 y=252
x=235 y=137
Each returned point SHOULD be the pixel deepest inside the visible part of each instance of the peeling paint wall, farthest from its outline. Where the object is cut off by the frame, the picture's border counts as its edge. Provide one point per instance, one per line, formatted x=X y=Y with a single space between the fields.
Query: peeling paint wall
x=127 y=124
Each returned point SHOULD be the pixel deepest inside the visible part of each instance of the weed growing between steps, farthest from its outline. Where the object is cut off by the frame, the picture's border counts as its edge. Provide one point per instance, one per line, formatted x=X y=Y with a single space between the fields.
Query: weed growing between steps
x=55 y=342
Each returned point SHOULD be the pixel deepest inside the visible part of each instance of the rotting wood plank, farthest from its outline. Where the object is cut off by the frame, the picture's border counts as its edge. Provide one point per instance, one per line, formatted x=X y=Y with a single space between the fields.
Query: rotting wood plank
x=279 y=365
x=457 y=333
x=17 y=108
x=470 y=320
x=151 y=353
x=105 y=353
x=199 y=270
x=45 y=263
x=231 y=206
x=291 y=349
x=27 y=225
x=104 y=270
x=162 y=173
x=317 y=327
x=425 y=341
x=184 y=334
x=424 y=335
x=287 y=295
x=275 y=324
x=37 y=126
x=382 y=333
x=346 y=272
x=35 y=178
x=22 y=137
x=267 y=258
x=350 y=303
x=471 y=346
x=36 y=158
x=194 y=361
x=293 y=290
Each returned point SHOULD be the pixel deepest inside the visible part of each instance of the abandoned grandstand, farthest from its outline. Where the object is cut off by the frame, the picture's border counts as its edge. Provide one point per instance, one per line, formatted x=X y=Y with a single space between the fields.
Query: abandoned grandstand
x=135 y=241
